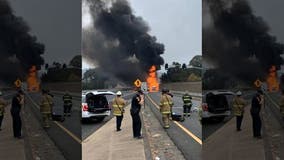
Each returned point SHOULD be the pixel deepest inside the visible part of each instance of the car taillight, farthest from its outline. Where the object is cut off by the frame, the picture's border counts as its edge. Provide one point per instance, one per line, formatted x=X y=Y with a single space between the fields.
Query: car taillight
x=204 y=107
x=85 y=107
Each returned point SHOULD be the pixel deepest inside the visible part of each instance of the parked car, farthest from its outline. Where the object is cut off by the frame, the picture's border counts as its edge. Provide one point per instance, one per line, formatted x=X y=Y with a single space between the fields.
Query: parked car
x=217 y=105
x=95 y=105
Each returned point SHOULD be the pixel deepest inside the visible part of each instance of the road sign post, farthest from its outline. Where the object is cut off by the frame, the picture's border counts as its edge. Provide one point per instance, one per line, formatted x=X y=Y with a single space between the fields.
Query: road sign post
x=144 y=86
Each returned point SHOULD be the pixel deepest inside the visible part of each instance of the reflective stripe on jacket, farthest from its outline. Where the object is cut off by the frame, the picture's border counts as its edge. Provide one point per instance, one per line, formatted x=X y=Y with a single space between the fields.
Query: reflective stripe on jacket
x=238 y=106
x=118 y=104
x=46 y=103
x=166 y=103
x=67 y=99
x=187 y=100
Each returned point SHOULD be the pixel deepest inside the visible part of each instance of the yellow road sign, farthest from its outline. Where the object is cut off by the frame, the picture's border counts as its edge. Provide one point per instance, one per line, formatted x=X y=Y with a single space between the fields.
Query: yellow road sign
x=137 y=83
x=257 y=83
x=18 y=83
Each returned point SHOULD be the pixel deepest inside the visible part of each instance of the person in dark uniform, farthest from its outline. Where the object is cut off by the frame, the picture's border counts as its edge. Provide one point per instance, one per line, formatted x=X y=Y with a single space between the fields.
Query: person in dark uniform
x=136 y=103
x=256 y=104
x=67 y=99
x=17 y=102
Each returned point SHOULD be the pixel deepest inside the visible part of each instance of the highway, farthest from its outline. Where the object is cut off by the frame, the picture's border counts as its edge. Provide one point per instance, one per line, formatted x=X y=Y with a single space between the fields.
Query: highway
x=186 y=135
x=66 y=135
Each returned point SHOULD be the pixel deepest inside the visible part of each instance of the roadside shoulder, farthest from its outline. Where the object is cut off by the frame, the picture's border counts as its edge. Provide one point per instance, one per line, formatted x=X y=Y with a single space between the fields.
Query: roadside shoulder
x=161 y=145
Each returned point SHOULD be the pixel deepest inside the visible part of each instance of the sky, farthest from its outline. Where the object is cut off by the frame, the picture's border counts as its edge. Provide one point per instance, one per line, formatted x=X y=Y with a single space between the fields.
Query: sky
x=175 y=23
x=56 y=24
x=272 y=13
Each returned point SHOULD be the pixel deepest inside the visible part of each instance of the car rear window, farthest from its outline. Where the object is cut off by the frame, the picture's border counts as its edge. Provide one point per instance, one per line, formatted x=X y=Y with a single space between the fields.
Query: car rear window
x=96 y=100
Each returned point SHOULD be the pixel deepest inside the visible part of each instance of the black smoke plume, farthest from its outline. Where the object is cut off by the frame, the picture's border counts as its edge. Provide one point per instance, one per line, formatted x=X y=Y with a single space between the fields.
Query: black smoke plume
x=119 y=41
x=238 y=42
x=19 y=50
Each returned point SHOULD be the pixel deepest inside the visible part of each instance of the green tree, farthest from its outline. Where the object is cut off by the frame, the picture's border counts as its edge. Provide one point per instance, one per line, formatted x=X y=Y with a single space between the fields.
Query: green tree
x=76 y=61
x=196 y=61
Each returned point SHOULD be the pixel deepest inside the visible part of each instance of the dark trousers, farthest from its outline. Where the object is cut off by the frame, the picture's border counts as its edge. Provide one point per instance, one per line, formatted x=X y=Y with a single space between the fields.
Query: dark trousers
x=67 y=108
x=256 y=124
x=118 y=122
x=17 y=124
x=239 y=122
x=1 y=119
x=136 y=125
x=186 y=109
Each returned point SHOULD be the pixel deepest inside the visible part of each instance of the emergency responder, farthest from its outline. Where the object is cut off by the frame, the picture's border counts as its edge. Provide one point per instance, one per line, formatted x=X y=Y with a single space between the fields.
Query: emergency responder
x=239 y=109
x=187 y=104
x=17 y=103
x=118 y=104
x=3 y=104
x=166 y=104
x=282 y=104
x=67 y=100
x=46 y=108
x=257 y=102
x=136 y=103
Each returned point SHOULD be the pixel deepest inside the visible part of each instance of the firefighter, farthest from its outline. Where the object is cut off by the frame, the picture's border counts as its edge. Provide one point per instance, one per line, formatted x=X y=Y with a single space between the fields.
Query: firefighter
x=67 y=99
x=187 y=104
x=239 y=109
x=282 y=104
x=256 y=104
x=166 y=104
x=3 y=104
x=136 y=103
x=46 y=108
x=118 y=104
x=17 y=103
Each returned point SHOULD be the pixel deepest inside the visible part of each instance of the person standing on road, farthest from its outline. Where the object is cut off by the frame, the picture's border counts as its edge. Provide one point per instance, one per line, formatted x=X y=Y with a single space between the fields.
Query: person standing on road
x=67 y=100
x=136 y=103
x=239 y=109
x=165 y=108
x=3 y=104
x=256 y=104
x=187 y=104
x=17 y=103
x=46 y=108
x=118 y=104
x=282 y=104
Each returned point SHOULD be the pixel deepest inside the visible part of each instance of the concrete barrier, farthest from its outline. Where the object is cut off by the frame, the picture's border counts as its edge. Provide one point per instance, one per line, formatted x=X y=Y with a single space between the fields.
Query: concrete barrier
x=74 y=87
x=195 y=87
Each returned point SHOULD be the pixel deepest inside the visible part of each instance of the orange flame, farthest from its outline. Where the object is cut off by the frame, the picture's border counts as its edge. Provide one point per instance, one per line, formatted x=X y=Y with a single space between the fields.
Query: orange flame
x=152 y=80
x=32 y=80
x=272 y=82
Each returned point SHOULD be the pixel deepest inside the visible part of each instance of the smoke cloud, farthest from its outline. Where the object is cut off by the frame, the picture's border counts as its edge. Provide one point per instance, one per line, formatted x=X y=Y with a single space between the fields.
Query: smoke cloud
x=237 y=41
x=119 y=41
x=19 y=50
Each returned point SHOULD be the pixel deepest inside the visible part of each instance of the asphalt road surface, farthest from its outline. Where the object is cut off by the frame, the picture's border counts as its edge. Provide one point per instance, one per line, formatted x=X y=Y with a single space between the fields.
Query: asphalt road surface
x=88 y=128
x=186 y=135
x=66 y=135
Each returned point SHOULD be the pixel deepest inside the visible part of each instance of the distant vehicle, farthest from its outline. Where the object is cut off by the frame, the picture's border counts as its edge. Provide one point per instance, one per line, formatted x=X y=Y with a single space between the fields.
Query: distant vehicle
x=217 y=105
x=95 y=105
